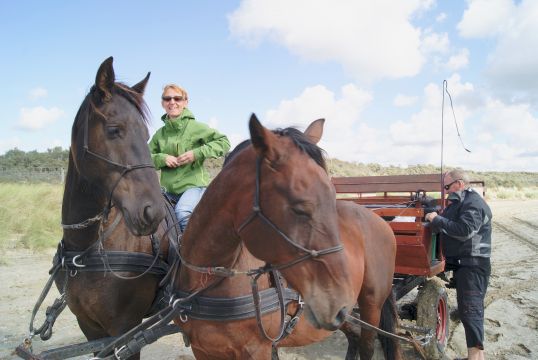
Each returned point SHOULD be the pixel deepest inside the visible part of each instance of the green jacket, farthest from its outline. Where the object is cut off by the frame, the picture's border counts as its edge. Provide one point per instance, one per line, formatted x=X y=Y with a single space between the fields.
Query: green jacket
x=178 y=136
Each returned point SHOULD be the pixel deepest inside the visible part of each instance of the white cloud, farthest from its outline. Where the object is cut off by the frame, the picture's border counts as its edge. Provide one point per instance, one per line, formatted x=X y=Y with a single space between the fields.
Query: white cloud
x=213 y=122
x=441 y=17
x=458 y=61
x=434 y=42
x=319 y=102
x=370 y=39
x=343 y=126
x=485 y=18
x=403 y=100
x=38 y=93
x=500 y=136
x=512 y=65
x=38 y=117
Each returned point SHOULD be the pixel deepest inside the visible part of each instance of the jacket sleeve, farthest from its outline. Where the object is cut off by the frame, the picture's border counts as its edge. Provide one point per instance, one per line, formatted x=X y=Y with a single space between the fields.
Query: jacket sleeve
x=469 y=222
x=213 y=145
x=159 y=158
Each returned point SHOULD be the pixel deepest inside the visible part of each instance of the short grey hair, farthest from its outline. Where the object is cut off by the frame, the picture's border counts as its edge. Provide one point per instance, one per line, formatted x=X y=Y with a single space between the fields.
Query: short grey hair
x=459 y=174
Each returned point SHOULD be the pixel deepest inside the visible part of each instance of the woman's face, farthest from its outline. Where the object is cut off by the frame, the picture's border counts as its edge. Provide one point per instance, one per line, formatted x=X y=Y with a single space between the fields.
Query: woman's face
x=173 y=102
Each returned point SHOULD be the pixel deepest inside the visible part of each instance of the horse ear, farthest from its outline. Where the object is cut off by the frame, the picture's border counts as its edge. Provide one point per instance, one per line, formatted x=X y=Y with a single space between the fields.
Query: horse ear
x=141 y=86
x=261 y=138
x=104 y=80
x=314 y=131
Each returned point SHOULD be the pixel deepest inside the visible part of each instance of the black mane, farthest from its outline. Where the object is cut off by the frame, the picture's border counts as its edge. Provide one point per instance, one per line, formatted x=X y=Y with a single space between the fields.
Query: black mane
x=299 y=139
x=93 y=99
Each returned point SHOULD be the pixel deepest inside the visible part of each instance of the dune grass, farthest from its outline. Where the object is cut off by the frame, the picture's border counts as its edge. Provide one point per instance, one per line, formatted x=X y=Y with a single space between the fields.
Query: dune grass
x=30 y=215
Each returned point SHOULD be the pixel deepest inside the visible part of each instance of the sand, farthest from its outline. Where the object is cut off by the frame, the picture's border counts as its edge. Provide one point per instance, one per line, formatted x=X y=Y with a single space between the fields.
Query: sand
x=511 y=302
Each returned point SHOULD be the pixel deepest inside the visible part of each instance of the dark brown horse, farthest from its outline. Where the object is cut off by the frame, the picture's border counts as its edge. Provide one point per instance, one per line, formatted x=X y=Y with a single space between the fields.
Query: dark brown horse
x=111 y=201
x=273 y=203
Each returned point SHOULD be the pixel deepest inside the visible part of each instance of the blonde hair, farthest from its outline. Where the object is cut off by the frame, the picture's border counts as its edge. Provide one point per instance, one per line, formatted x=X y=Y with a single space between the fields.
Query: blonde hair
x=177 y=88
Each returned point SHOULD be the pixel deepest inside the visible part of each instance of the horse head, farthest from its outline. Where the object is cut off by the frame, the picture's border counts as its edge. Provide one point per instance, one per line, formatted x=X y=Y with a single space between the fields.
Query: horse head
x=294 y=225
x=109 y=150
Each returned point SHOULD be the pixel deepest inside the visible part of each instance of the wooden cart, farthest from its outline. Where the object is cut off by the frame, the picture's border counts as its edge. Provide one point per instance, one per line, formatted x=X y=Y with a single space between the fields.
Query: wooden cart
x=403 y=200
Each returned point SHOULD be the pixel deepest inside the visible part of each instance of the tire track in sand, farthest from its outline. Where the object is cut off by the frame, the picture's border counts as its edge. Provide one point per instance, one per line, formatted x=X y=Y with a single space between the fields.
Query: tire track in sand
x=519 y=237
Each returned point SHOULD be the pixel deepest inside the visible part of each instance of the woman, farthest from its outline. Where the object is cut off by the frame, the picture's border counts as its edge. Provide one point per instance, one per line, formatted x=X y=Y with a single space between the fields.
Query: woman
x=179 y=149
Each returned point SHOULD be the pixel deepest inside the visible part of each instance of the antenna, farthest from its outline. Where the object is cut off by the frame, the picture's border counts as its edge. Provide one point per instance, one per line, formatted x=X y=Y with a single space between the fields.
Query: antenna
x=445 y=89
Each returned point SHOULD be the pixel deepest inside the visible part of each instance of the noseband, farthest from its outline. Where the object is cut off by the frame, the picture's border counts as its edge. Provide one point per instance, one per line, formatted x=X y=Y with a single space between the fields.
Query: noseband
x=257 y=213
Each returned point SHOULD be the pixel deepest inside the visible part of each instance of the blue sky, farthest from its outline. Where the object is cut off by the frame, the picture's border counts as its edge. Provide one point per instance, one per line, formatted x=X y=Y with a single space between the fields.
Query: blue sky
x=373 y=69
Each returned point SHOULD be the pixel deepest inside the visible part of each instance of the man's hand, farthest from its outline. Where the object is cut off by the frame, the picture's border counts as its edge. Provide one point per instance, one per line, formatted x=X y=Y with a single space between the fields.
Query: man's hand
x=430 y=216
x=185 y=158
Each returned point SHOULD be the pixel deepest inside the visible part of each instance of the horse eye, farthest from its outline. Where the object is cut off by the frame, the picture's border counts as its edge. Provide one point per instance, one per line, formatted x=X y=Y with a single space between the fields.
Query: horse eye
x=301 y=212
x=112 y=132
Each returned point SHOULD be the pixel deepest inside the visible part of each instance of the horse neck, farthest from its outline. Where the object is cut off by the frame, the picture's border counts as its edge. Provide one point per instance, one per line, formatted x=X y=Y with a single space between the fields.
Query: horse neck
x=80 y=202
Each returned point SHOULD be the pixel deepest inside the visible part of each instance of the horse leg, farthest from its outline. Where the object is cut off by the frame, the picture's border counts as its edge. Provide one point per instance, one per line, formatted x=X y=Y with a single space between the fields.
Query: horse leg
x=94 y=331
x=386 y=318
x=274 y=354
x=352 y=333
x=388 y=322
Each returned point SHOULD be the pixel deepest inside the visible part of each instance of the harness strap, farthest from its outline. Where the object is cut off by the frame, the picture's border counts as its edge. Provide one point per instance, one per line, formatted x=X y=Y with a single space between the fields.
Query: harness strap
x=237 y=308
x=45 y=330
x=115 y=261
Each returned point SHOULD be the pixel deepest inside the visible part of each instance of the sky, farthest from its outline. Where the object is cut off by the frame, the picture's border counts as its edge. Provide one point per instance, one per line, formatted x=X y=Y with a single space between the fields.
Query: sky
x=374 y=70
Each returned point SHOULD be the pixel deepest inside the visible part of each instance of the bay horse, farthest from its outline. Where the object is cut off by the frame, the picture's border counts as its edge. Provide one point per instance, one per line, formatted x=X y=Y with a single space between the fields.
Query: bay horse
x=273 y=206
x=110 y=168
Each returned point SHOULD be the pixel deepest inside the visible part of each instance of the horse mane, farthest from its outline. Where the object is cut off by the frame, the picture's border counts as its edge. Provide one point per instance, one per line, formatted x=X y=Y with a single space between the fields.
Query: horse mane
x=299 y=139
x=88 y=104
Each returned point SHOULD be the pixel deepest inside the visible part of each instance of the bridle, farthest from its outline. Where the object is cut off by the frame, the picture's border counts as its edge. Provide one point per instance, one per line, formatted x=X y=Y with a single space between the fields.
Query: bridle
x=125 y=168
x=258 y=213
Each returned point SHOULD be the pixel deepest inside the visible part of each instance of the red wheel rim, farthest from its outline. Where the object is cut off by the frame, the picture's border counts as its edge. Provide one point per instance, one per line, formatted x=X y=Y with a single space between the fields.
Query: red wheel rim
x=440 y=330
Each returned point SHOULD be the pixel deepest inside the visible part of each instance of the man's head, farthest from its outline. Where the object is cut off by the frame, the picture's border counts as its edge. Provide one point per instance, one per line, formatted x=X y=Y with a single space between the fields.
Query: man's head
x=456 y=180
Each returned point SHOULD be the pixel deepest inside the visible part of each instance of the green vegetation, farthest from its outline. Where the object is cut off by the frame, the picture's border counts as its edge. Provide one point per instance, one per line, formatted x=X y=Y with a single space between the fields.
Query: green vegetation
x=30 y=215
x=30 y=206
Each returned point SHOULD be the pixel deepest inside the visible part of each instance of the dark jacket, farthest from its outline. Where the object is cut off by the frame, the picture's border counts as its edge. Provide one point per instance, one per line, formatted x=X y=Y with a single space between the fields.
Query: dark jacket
x=465 y=226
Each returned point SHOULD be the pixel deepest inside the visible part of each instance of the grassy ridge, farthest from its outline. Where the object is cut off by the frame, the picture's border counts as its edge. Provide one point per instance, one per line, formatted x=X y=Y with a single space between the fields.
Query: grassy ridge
x=30 y=213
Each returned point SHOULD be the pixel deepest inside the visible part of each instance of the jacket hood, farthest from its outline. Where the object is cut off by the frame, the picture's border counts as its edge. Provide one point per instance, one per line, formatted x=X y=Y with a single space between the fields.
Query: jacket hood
x=185 y=114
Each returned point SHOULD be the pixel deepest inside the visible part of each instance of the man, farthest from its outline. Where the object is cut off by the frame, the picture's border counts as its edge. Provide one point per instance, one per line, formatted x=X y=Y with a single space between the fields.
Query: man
x=465 y=228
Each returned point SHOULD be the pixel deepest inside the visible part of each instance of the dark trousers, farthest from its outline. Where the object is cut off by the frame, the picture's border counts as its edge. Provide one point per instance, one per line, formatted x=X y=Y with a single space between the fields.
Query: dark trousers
x=471 y=286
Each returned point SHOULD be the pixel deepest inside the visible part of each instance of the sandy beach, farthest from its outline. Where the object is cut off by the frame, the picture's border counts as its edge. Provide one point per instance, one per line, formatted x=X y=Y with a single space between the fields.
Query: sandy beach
x=511 y=301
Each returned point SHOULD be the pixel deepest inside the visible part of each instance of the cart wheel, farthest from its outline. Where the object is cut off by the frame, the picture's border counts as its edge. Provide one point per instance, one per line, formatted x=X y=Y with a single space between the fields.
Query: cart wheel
x=432 y=313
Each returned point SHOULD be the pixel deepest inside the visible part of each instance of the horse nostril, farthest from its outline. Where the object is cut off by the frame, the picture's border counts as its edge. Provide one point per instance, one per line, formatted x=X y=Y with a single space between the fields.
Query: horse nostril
x=149 y=214
x=340 y=317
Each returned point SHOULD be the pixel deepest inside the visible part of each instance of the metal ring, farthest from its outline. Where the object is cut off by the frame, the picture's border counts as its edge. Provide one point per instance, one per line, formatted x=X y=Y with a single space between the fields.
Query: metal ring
x=74 y=261
x=183 y=317
x=117 y=352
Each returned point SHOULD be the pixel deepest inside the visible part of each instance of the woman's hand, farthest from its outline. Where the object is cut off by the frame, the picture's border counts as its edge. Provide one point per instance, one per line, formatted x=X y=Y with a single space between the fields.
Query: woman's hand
x=171 y=161
x=185 y=158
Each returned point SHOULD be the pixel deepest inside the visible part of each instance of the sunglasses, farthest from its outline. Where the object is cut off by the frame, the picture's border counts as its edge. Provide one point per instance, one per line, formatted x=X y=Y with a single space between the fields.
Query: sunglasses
x=449 y=185
x=169 y=98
